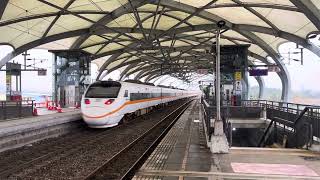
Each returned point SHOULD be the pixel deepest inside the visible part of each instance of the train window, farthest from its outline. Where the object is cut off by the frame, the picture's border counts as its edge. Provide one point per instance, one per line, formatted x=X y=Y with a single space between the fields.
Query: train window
x=126 y=93
x=103 y=90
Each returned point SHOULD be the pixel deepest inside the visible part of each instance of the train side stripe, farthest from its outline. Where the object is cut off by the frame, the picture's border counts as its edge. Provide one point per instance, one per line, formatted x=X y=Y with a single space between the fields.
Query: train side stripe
x=128 y=103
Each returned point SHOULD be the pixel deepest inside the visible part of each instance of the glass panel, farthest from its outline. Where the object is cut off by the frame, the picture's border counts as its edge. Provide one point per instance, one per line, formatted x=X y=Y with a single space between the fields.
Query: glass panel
x=103 y=89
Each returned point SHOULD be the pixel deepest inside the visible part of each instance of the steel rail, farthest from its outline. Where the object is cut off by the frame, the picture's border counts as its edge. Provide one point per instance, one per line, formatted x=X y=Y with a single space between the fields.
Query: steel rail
x=94 y=174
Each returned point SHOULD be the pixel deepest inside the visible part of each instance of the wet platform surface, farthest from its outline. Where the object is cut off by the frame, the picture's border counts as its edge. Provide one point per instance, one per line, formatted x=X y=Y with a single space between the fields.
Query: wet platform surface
x=183 y=154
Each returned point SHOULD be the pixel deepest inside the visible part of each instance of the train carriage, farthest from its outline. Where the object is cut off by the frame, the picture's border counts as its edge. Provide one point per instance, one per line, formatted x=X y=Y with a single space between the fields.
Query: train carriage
x=105 y=103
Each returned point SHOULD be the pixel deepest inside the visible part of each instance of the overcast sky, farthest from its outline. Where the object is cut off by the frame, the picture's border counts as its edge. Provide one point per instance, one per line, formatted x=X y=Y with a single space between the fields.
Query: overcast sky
x=303 y=77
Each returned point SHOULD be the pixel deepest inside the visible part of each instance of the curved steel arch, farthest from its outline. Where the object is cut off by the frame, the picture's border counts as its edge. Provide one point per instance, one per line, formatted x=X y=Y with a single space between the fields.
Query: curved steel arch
x=307 y=7
x=108 y=18
x=284 y=75
x=285 y=35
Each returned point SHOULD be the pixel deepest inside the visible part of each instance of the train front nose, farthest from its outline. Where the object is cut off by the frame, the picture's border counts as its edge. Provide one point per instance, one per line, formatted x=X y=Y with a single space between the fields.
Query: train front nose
x=100 y=112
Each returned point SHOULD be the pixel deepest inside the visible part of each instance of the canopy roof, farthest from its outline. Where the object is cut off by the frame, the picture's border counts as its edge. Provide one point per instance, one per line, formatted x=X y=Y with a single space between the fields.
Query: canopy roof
x=141 y=34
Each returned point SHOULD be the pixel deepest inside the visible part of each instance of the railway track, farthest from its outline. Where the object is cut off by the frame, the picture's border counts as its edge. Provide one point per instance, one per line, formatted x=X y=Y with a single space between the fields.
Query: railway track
x=59 y=158
x=123 y=164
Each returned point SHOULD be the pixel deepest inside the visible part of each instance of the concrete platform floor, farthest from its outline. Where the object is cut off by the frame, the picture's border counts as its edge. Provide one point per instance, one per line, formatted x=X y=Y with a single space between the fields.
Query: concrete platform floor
x=183 y=154
x=19 y=132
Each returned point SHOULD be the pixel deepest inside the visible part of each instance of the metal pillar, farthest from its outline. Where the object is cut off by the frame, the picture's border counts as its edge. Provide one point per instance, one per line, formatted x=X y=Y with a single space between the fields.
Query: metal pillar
x=219 y=142
x=218 y=86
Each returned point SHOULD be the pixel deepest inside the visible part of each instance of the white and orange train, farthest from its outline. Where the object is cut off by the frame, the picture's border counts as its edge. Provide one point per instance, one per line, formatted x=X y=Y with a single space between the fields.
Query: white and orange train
x=105 y=103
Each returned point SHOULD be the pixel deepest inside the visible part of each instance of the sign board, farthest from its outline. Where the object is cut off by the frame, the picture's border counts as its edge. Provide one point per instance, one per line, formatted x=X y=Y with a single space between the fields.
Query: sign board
x=42 y=72
x=202 y=71
x=238 y=86
x=13 y=69
x=8 y=84
x=258 y=72
x=237 y=76
x=274 y=69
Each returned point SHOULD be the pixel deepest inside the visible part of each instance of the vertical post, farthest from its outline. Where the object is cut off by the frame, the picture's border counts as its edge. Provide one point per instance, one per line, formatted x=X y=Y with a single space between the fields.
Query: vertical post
x=218 y=115
x=219 y=142
x=25 y=60
x=54 y=79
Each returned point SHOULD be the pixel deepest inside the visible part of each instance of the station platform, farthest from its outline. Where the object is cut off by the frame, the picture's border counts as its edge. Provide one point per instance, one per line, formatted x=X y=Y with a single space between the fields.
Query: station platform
x=183 y=154
x=19 y=132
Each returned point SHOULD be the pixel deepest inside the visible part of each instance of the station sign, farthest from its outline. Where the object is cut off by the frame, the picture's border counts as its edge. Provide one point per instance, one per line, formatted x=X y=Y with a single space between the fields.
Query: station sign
x=237 y=76
x=8 y=84
x=274 y=69
x=258 y=72
x=238 y=86
x=13 y=69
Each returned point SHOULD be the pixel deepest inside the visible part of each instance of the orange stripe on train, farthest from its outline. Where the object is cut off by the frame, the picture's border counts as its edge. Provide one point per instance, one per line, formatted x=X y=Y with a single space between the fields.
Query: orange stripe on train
x=125 y=104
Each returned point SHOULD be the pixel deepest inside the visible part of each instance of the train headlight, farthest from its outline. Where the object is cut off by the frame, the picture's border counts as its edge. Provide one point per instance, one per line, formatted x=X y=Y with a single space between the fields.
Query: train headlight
x=109 y=101
x=87 y=101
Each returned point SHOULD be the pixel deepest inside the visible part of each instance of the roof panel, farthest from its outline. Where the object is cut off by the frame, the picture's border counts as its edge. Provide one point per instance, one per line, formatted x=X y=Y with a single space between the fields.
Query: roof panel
x=94 y=39
x=281 y=2
x=273 y=41
x=126 y=20
x=115 y=63
x=68 y=23
x=239 y=15
x=135 y=35
x=177 y=43
x=198 y=3
x=290 y=21
x=149 y=7
x=60 y=44
x=19 y=8
x=234 y=34
x=24 y=32
x=316 y=3
x=100 y=61
x=164 y=24
x=256 y=49
x=101 y=5
x=33 y=29
x=93 y=49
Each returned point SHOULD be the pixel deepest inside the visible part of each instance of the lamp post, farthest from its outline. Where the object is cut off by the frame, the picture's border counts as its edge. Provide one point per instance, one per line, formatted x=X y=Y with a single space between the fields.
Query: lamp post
x=219 y=142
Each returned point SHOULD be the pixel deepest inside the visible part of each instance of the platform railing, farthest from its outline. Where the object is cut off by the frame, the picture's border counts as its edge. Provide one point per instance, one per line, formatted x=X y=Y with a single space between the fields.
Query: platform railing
x=16 y=109
x=291 y=112
x=274 y=109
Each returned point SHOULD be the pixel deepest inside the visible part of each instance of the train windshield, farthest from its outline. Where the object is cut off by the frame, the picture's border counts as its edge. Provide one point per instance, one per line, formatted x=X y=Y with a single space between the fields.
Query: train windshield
x=103 y=89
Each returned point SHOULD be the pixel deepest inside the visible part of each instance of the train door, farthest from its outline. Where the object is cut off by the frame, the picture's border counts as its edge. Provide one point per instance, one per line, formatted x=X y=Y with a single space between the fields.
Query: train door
x=126 y=95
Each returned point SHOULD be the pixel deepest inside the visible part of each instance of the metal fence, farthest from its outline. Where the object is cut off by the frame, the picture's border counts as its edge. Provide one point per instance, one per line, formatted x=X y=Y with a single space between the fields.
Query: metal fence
x=250 y=110
x=16 y=109
x=274 y=109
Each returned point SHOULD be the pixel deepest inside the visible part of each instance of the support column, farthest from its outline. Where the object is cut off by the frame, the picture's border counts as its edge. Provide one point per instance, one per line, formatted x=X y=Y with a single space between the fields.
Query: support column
x=219 y=142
